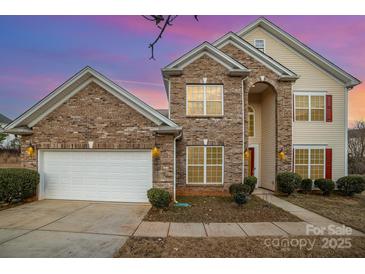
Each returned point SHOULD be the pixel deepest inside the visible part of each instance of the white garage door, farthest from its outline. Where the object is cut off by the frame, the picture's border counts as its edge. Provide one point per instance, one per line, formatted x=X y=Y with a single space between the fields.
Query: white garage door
x=123 y=176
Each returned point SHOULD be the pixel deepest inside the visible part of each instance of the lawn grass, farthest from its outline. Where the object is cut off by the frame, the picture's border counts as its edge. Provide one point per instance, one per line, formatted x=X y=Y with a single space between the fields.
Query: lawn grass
x=246 y=247
x=220 y=210
x=347 y=210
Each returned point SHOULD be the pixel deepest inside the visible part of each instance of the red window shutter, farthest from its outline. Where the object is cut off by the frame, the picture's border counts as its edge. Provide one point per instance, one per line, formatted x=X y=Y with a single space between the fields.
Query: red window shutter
x=328 y=108
x=328 y=163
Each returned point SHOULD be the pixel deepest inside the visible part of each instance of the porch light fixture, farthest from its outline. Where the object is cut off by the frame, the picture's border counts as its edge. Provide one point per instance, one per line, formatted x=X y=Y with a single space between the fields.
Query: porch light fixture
x=156 y=152
x=246 y=154
x=205 y=141
x=30 y=150
x=282 y=155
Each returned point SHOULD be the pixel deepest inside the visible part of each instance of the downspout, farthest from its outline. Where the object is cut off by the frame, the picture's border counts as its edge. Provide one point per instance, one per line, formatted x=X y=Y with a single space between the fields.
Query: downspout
x=243 y=126
x=346 y=130
x=174 y=185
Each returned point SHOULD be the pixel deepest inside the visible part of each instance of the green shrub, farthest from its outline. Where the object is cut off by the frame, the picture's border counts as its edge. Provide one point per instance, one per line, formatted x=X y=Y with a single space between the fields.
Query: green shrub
x=17 y=184
x=240 y=198
x=349 y=185
x=159 y=198
x=251 y=182
x=288 y=182
x=306 y=185
x=239 y=188
x=325 y=185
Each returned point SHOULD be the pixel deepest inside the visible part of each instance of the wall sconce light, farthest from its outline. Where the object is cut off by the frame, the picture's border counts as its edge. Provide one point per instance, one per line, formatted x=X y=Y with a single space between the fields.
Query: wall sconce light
x=205 y=80
x=156 y=152
x=282 y=155
x=205 y=142
x=246 y=154
x=30 y=150
x=91 y=144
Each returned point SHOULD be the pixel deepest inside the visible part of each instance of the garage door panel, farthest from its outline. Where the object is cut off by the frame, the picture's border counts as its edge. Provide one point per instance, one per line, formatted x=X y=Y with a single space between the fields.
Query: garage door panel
x=106 y=176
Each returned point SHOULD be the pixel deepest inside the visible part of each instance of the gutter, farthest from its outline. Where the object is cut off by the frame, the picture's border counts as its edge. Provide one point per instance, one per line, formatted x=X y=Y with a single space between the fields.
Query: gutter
x=174 y=184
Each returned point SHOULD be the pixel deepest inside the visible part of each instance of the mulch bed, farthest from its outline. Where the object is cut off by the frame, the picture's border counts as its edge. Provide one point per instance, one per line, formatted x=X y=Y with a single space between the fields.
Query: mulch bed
x=141 y=247
x=220 y=210
x=347 y=210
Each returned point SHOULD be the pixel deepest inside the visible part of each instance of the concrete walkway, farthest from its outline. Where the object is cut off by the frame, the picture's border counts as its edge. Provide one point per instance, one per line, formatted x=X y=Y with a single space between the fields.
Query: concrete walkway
x=302 y=213
x=312 y=224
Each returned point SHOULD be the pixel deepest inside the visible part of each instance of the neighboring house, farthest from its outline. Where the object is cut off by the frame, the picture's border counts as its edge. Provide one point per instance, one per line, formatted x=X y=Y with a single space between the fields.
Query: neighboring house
x=3 y=122
x=256 y=102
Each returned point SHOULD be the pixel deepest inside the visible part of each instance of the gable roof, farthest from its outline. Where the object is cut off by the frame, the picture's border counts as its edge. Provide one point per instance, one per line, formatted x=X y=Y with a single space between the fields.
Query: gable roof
x=346 y=78
x=257 y=54
x=234 y=67
x=4 y=120
x=77 y=82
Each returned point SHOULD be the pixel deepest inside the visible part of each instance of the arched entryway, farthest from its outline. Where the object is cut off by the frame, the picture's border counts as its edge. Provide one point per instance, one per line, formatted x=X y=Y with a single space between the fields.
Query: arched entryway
x=261 y=133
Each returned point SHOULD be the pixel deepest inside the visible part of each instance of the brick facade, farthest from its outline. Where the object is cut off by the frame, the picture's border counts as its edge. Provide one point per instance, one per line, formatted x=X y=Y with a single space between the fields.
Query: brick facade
x=95 y=114
x=227 y=130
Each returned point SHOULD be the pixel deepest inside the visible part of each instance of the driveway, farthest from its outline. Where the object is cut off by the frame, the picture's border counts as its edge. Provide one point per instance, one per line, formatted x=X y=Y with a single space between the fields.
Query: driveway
x=57 y=228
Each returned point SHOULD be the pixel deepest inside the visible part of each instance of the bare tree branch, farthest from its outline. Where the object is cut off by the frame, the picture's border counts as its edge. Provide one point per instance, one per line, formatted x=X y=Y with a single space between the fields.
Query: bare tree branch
x=162 y=22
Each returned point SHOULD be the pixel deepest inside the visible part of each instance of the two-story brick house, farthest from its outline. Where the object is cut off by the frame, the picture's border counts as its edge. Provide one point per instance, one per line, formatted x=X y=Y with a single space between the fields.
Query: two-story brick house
x=256 y=102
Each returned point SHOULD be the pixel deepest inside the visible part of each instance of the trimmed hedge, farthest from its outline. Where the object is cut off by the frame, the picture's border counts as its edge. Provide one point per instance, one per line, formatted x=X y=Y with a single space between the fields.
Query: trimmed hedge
x=159 y=198
x=306 y=185
x=240 y=198
x=325 y=185
x=288 y=182
x=239 y=188
x=350 y=185
x=251 y=182
x=17 y=184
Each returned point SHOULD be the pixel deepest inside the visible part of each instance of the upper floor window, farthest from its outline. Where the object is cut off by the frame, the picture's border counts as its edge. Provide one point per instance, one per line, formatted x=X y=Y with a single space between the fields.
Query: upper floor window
x=309 y=107
x=251 y=122
x=204 y=100
x=260 y=44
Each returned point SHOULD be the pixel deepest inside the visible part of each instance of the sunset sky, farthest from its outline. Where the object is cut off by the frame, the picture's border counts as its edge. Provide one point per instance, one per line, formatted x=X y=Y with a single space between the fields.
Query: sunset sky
x=38 y=53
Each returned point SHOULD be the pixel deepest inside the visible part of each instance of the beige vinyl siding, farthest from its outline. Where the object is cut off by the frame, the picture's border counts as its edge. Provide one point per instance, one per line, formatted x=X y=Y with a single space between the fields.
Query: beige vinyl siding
x=311 y=79
x=254 y=101
x=268 y=154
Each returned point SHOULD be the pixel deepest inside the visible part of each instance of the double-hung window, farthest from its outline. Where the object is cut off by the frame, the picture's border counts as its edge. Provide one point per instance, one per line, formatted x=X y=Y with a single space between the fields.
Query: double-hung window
x=204 y=100
x=309 y=106
x=309 y=162
x=205 y=164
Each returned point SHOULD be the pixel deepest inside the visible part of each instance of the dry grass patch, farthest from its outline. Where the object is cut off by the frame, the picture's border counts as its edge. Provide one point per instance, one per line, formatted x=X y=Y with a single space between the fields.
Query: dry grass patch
x=248 y=247
x=220 y=210
x=347 y=210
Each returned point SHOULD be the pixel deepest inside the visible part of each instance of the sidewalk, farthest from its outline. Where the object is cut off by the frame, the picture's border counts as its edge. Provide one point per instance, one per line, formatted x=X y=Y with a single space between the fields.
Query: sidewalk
x=310 y=220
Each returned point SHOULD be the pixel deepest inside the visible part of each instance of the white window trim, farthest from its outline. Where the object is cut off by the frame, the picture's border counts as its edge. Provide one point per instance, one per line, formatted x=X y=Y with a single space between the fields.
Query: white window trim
x=309 y=147
x=254 y=121
x=205 y=101
x=309 y=94
x=205 y=166
x=254 y=43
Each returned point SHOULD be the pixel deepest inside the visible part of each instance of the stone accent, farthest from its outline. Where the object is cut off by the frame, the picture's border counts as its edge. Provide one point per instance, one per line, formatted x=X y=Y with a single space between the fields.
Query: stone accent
x=283 y=103
x=95 y=114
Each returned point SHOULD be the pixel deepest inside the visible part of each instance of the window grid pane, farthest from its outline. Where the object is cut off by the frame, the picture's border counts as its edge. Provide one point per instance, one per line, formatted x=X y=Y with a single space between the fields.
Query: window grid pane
x=251 y=125
x=204 y=100
x=309 y=163
x=214 y=165
x=213 y=169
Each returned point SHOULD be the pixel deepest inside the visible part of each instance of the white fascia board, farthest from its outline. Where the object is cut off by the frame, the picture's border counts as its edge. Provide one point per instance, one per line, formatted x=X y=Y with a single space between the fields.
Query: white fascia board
x=345 y=77
x=253 y=52
x=206 y=48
